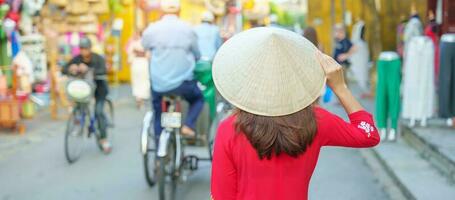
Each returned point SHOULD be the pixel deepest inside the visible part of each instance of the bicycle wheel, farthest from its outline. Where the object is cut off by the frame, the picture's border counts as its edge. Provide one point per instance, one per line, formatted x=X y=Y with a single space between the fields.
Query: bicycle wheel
x=167 y=172
x=109 y=111
x=74 y=136
x=150 y=161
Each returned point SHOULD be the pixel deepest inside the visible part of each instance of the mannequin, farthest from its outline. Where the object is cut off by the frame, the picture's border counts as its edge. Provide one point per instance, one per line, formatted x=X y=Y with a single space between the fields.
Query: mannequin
x=360 y=57
x=388 y=94
x=413 y=28
x=447 y=79
x=418 y=81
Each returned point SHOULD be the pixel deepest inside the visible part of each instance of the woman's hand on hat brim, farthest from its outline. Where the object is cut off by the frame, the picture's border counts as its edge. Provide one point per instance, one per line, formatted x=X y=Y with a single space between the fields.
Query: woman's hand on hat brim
x=332 y=70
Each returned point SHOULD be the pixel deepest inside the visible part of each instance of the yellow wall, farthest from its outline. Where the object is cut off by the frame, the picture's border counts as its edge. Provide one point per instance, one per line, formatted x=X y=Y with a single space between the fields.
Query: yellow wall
x=127 y=15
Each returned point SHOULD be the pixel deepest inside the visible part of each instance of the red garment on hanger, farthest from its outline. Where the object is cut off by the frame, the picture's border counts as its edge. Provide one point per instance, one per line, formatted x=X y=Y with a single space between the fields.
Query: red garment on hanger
x=430 y=32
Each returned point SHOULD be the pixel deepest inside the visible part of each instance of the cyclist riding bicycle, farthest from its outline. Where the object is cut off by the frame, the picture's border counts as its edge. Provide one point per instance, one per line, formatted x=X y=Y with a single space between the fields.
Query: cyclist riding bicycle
x=88 y=64
x=209 y=41
x=209 y=38
x=174 y=51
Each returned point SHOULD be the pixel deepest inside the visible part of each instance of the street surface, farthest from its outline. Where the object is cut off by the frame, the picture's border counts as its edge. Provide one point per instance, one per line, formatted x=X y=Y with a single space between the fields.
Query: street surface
x=34 y=168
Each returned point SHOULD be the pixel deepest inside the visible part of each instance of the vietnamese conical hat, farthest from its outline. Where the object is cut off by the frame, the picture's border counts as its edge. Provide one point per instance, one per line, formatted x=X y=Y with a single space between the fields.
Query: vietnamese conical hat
x=268 y=72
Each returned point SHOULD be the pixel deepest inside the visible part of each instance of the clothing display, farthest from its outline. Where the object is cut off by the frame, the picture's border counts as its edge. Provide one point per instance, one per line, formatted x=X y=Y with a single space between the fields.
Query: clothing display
x=360 y=58
x=34 y=46
x=447 y=77
x=388 y=90
x=413 y=28
x=431 y=31
x=5 y=60
x=418 y=80
x=400 y=38
x=238 y=173
x=140 y=78
x=15 y=43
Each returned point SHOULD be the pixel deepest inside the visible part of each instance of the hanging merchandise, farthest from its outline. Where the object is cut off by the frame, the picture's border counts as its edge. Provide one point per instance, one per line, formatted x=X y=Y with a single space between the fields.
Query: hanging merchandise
x=33 y=46
x=99 y=7
x=115 y=6
x=77 y=7
x=3 y=86
x=60 y=3
x=24 y=72
x=418 y=82
x=217 y=7
x=360 y=58
x=15 y=43
x=5 y=60
x=447 y=77
x=432 y=31
x=388 y=93
x=412 y=29
x=256 y=9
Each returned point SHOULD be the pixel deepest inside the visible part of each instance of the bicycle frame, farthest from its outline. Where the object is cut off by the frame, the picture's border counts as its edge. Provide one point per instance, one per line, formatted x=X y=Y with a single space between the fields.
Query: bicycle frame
x=85 y=111
x=171 y=105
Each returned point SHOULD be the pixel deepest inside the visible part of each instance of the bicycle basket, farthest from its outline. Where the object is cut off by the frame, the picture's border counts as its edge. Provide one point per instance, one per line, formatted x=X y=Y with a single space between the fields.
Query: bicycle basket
x=79 y=90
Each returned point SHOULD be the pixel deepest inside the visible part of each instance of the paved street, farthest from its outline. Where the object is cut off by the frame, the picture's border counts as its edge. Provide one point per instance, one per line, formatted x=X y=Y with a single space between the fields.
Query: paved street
x=35 y=168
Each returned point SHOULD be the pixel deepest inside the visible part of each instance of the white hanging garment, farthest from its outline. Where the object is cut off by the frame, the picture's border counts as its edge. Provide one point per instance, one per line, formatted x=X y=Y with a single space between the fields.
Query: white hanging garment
x=359 y=59
x=140 y=79
x=418 y=80
x=412 y=29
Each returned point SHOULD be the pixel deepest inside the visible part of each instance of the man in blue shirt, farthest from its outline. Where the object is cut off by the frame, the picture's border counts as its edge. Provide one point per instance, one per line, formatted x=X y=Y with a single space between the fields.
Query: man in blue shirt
x=209 y=39
x=174 y=50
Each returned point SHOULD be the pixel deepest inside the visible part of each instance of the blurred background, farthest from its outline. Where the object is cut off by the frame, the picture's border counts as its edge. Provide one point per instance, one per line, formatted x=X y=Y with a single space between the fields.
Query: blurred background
x=399 y=58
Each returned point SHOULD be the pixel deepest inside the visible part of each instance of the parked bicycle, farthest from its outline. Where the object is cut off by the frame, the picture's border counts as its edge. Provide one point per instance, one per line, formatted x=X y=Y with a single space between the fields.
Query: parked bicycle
x=82 y=123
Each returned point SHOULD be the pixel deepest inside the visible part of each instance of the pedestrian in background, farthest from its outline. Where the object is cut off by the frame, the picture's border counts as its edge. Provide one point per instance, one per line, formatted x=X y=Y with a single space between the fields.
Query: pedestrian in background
x=138 y=59
x=209 y=38
x=269 y=147
x=342 y=46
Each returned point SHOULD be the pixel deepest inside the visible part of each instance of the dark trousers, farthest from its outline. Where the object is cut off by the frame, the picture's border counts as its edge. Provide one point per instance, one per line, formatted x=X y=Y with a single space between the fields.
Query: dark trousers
x=447 y=80
x=101 y=91
x=191 y=93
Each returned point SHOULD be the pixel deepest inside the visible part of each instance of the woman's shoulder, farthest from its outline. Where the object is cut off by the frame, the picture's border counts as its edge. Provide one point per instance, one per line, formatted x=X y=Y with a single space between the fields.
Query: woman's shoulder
x=320 y=112
x=226 y=128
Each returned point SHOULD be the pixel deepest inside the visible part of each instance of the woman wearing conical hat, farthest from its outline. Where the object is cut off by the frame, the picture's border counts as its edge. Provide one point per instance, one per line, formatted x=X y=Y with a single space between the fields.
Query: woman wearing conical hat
x=269 y=147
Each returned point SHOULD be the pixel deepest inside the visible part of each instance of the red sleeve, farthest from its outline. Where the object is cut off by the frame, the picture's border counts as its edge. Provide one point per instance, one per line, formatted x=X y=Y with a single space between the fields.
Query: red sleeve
x=224 y=173
x=360 y=132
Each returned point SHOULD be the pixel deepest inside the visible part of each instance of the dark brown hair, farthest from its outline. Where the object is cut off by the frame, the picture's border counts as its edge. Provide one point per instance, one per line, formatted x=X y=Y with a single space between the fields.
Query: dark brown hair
x=310 y=34
x=289 y=134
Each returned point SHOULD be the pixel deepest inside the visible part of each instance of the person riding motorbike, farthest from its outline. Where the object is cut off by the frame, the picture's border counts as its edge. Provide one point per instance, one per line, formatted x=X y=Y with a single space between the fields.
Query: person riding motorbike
x=174 y=52
x=87 y=64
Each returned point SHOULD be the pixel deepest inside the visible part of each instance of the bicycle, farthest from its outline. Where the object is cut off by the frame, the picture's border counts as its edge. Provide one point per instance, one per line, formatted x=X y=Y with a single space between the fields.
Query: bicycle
x=164 y=163
x=81 y=124
x=223 y=110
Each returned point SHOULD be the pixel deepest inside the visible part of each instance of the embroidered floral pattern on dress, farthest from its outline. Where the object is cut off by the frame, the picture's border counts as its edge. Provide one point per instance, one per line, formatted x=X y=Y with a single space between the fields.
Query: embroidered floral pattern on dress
x=366 y=127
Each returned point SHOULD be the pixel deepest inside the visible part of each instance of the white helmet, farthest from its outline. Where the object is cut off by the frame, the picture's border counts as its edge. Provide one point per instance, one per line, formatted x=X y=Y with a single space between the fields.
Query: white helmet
x=208 y=17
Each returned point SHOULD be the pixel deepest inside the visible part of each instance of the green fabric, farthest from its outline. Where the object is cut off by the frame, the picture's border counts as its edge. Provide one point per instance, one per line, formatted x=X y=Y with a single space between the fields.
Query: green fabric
x=203 y=74
x=4 y=59
x=388 y=93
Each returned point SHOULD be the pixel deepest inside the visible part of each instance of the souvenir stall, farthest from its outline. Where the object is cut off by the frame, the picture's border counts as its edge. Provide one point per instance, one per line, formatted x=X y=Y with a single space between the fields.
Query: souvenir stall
x=22 y=62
